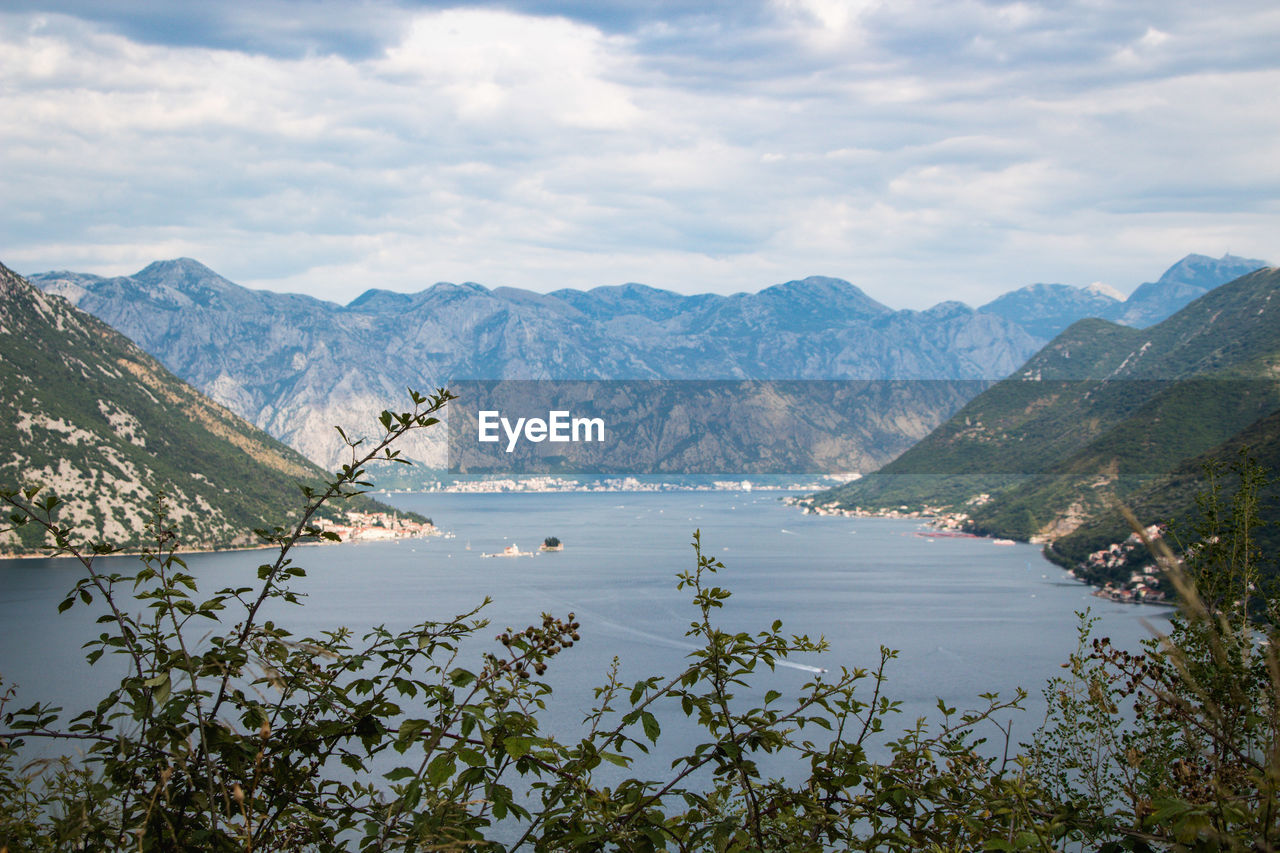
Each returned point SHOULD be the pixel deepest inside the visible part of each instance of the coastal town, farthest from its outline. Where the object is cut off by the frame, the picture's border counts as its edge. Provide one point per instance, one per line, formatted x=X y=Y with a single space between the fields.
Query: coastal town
x=1144 y=585
x=549 y=483
x=378 y=526
x=934 y=515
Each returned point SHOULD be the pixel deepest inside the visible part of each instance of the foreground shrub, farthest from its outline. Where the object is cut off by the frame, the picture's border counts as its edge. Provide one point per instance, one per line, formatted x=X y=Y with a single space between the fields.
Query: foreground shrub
x=1179 y=747
x=433 y=738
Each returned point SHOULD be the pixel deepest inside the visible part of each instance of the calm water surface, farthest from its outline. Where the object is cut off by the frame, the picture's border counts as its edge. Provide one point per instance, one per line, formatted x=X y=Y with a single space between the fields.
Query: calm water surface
x=967 y=616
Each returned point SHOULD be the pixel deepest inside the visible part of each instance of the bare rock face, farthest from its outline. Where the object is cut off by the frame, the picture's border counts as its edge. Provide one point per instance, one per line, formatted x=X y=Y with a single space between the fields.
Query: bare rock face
x=297 y=366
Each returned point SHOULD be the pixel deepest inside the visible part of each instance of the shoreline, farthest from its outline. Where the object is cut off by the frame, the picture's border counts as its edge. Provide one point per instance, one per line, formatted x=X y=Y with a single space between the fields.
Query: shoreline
x=134 y=553
x=235 y=548
x=1141 y=587
x=938 y=524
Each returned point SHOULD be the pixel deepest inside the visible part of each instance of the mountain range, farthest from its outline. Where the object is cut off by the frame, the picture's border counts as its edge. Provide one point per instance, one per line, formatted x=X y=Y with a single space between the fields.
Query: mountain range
x=1104 y=415
x=1047 y=309
x=105 y=427
x=1114 y=408
x=296 y=366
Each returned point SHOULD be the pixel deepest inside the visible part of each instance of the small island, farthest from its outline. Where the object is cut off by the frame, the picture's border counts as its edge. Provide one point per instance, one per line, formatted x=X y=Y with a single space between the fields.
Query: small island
x=551 y=543
x=512 y=550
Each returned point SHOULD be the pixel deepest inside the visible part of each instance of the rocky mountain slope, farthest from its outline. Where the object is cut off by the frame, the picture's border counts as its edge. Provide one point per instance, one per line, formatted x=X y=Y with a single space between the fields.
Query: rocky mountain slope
x=1104 y=413
x=296 y=366
x=107 y=428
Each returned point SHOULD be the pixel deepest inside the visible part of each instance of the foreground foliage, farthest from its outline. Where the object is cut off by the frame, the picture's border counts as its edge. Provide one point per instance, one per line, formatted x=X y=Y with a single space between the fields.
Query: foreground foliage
x=432 y=738
x=1179 y=747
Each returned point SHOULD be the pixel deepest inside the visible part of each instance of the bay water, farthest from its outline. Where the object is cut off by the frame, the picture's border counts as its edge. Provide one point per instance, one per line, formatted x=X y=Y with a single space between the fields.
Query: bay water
x=967 y=616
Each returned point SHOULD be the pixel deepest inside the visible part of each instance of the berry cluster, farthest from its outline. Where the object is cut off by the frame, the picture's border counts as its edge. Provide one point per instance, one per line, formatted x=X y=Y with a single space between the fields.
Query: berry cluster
x=531 y=647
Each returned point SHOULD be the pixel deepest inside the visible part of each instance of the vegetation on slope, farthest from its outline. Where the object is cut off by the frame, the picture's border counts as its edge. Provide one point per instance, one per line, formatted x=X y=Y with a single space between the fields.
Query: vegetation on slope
x=1098 y=417
x=1171 y=502
x=102 y=425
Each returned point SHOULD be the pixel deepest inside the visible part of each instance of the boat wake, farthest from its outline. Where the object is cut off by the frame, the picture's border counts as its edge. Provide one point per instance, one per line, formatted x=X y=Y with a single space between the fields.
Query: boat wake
x=659 y=640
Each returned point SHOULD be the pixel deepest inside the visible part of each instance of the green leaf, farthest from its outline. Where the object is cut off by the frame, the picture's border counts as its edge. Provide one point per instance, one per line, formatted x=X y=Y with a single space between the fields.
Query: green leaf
x=160 y=686
x=440 y=770
x=409 y=730
x=615 y=758
x=651 y=727
x=518 y=747
x=471 y=757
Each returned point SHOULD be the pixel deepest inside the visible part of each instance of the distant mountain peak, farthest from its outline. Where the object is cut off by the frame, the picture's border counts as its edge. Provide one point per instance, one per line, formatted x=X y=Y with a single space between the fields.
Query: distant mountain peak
x=1047 y=309
x=183 y=279
x=1187 y=280
x=949 y=308
x=377 y=298
x=816 y=284
x=466 y=286
x=631 y=289
x=1100 y=288
x=624 y=300
x=184 y=267
x=1194 y=268
x=826 y=293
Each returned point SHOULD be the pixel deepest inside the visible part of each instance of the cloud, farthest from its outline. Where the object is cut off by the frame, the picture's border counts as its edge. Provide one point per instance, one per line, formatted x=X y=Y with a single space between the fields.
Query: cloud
x=924 y=150
x=513 y=71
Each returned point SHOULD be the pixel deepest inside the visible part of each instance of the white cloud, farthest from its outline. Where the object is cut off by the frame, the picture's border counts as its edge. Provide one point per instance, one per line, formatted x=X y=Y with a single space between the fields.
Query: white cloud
x=496 y=66
x=924 y=150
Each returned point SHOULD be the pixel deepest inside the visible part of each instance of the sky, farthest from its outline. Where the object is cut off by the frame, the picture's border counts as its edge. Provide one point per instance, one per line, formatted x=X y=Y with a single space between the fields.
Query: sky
x=923 y=150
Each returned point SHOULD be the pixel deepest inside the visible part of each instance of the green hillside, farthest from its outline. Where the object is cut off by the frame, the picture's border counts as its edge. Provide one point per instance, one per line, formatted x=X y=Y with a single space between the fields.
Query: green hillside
x=106 y=428
x=1101 y=414
x=1172 y=498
